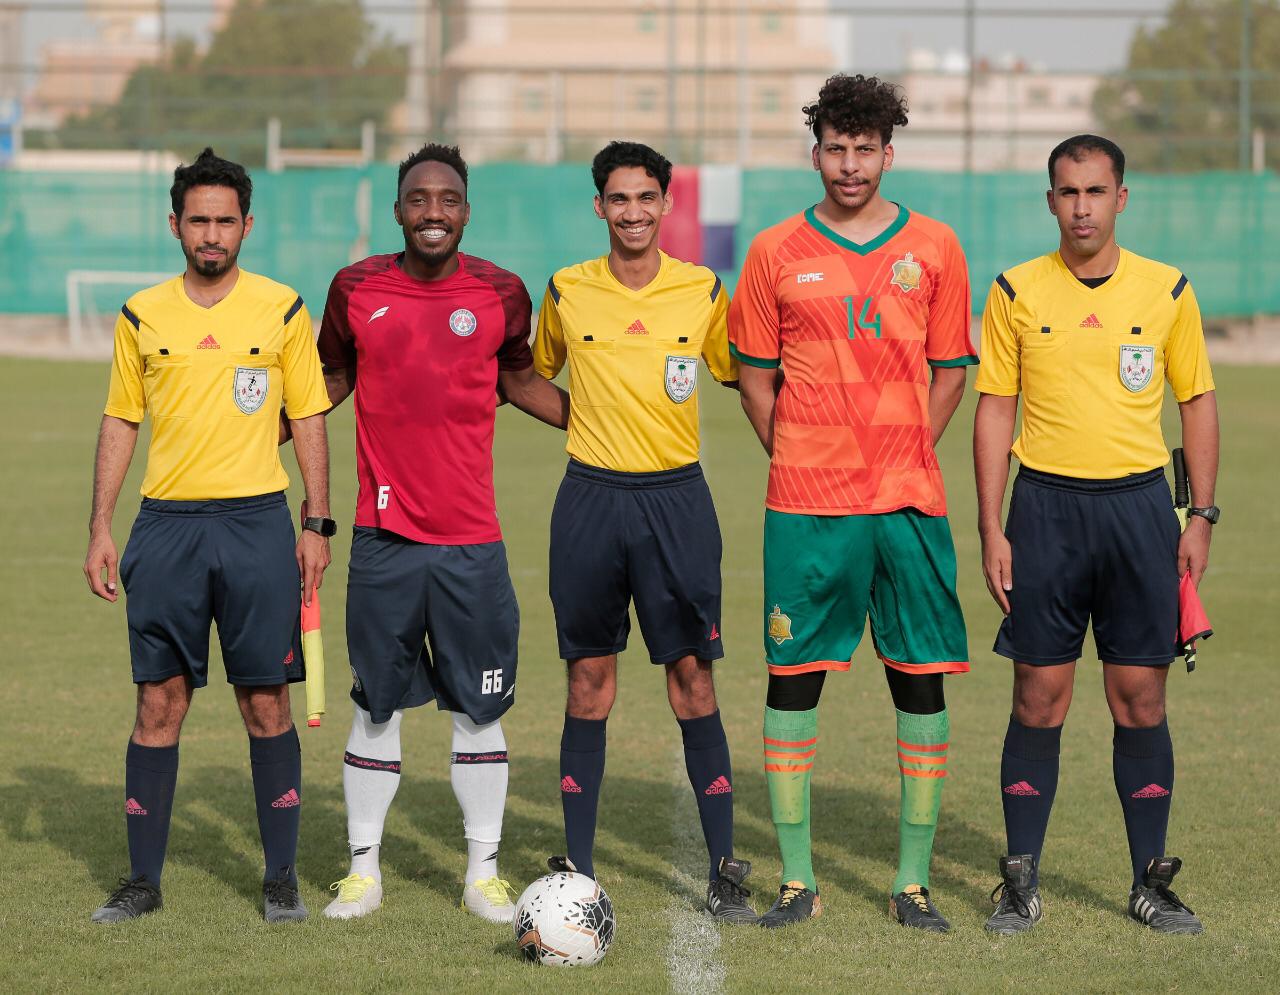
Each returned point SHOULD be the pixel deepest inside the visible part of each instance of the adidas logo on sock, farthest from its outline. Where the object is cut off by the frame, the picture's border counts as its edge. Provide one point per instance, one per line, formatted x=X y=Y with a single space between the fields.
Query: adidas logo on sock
x=1151 y=791
x=1091 y=322
x=568 y=784
x=131 y=807
x=289 y=799
x=720 y=786
x=1020 y=788
x=208 y=342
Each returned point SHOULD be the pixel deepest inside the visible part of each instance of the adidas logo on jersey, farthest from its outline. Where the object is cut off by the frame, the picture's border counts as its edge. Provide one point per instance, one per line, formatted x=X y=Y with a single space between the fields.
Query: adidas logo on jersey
x=1020 y=788
x=1091 y=322
x=637 y=328
x=1151 y=791
x=569 y=785
x=208 y=342
x=720 y=786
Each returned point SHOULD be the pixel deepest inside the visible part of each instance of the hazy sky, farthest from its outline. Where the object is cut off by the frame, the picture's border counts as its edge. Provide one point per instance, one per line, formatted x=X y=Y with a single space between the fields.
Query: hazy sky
x=878 y=34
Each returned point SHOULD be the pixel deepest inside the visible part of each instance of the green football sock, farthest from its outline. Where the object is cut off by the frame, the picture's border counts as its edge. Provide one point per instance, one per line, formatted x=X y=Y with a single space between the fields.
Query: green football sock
x=790 y=744
x=922 y=759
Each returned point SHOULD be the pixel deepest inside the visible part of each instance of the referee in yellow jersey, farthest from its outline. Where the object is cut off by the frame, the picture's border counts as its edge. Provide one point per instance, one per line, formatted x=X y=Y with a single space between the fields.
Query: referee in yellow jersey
x=634 y=518
x=1088 y=335
x=213 y=355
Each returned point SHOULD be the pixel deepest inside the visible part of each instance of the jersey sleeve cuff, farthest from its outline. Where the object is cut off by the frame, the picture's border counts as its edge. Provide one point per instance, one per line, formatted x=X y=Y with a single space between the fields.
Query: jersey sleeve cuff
x=764 y=364
x=998 y=389
x=306 y=411
x=515 y=366
x=124 y=414
x=957 y=361
x=1191 y=393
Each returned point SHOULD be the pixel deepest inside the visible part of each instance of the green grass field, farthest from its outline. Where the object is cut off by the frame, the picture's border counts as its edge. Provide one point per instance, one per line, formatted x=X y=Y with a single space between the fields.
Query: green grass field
x=69 y=706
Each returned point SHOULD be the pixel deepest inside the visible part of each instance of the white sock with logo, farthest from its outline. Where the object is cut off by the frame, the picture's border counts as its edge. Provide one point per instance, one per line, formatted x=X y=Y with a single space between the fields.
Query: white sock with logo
x=370 y=777
x=478 y=772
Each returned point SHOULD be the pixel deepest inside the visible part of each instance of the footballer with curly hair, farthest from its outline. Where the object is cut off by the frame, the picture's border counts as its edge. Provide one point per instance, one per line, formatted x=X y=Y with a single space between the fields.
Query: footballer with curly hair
x=851 y=325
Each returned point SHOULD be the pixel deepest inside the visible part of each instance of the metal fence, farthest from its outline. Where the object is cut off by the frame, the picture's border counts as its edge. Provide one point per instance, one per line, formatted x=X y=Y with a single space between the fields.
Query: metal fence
x=992 y=84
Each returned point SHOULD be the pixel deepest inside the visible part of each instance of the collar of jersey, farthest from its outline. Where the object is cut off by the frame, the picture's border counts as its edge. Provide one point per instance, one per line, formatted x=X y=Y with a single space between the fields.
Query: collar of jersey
x=1121 y=265
x=898 y=223
x=180 y=284
x=663 y=262
x=428 y=285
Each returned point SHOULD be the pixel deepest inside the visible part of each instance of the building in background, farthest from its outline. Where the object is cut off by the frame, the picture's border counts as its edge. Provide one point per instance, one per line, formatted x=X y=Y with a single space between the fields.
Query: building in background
x=1019 y=112
x=705 y=83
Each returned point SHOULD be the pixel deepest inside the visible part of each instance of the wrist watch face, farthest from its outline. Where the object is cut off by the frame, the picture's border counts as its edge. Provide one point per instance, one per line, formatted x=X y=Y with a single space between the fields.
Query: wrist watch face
x=1210 y=514
x=324 y=526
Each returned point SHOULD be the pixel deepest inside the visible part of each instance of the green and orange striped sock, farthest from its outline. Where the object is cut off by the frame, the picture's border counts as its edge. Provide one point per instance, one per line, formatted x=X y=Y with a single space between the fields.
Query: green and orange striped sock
x=790 y=745
x=922 y=759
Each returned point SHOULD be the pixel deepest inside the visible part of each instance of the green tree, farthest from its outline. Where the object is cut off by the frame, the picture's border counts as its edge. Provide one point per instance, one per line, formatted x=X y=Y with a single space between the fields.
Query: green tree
x=1176 y=106
x=317 y=65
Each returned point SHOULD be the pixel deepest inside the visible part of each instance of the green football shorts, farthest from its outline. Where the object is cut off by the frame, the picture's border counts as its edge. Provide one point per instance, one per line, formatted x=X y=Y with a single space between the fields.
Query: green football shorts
x=822 y=574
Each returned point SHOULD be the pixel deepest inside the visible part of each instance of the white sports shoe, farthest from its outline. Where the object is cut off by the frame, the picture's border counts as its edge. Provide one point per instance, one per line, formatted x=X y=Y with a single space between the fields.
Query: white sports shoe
x=357 y=896
x=492 y=899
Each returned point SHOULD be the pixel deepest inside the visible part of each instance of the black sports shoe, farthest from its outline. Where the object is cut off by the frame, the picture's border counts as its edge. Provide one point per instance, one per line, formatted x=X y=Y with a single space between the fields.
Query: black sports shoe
x=913 y=907
x=795 y=903
x=561 y=865
x=281 y=901
x=135 y=897
x=1154 y=905
x=726 y=897
x=1018 y=907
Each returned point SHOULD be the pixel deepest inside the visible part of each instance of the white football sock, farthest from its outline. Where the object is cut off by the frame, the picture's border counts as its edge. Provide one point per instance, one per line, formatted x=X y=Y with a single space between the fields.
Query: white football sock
x=478 y=772
x=370 y=777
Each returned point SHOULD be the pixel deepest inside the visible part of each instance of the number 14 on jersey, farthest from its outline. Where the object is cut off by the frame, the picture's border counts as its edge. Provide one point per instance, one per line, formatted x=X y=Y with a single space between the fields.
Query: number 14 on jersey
x=859 y=322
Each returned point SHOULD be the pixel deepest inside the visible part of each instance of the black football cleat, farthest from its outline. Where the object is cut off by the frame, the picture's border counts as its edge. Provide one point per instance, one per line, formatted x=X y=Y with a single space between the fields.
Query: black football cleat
x=795 y=903
x=913 y=907
x=727 y=898
x=1154 y=905
x=1017 y=900
x=561 y=865
x=281 y=900
x=133 y=898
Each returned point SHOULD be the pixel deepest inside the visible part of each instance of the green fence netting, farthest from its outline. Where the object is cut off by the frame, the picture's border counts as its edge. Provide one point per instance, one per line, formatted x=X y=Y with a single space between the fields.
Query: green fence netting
x=1221 y=229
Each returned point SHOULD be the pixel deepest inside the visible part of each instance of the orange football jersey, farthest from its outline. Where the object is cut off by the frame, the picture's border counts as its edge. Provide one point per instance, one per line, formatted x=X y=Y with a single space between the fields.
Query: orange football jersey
x=855 y=329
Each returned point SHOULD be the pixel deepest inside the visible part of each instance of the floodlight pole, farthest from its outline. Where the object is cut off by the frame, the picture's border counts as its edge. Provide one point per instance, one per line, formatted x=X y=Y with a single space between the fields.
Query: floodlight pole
x=970 y=44
x=1244 y=131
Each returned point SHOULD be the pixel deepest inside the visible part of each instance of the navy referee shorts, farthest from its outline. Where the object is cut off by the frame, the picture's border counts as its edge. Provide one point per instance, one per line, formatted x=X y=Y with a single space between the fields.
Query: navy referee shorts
x=230 y=561
x=1104 y=551
x=651 y=537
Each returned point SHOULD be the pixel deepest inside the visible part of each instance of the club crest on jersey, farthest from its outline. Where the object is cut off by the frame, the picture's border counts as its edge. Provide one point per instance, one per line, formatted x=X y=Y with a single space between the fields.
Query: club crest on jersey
x=462 y=322
x=1136 y=365
x=779 y=626
x=250 y=388
x=906 y=273
x=681 y=377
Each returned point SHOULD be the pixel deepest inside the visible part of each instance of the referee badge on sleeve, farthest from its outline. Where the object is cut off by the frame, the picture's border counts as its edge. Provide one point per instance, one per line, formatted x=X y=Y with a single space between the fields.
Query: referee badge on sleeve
x=250 y=388
x=1136 y=365
x=681 y=377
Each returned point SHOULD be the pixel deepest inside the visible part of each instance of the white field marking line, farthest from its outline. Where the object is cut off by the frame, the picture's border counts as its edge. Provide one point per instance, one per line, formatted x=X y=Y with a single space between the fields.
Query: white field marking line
x=693 y=952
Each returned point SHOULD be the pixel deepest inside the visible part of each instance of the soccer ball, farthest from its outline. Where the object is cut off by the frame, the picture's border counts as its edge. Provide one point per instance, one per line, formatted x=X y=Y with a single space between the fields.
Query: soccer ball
x=564 y=919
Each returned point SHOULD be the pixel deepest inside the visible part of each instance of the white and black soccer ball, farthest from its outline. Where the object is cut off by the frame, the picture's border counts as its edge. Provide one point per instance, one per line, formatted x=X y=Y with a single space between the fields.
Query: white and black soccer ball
x=564 y=919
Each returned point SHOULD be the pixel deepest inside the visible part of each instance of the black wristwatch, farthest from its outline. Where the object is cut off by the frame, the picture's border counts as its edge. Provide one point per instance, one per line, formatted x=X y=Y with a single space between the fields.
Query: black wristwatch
x=1210 y=514
x=324 y=526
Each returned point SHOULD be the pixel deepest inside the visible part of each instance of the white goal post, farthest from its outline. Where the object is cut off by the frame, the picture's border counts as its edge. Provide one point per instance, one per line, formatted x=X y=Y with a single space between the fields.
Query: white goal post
x=91 y=316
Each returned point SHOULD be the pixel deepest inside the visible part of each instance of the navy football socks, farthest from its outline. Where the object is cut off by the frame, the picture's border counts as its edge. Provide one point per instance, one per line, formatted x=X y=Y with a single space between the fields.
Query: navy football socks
x=277 y=789
x=150 y=776
x=1028 y=782
x=582 y=748
x=706 y=758
x=1142 y=760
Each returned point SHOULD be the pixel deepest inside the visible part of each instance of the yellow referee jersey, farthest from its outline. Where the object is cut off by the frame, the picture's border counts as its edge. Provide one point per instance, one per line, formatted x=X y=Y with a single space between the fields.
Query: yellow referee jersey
x=633 y=360
x=214 y=380
x=1091 y=362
